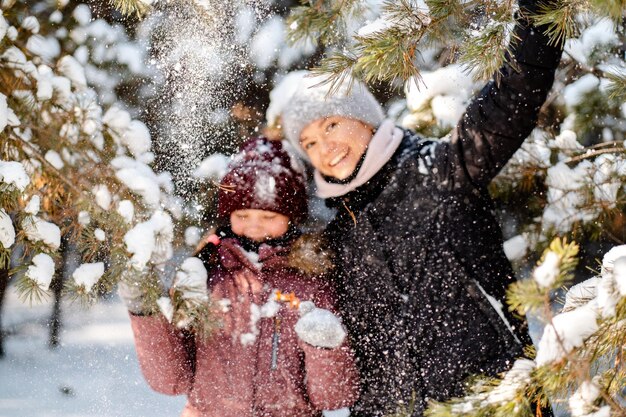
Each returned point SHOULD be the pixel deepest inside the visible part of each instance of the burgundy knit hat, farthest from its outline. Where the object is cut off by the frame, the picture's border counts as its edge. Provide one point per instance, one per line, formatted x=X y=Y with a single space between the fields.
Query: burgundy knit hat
x=264 y=176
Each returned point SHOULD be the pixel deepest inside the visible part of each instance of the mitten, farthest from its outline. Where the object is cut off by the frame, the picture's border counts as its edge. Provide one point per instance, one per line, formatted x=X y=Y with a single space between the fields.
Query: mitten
x=139 y=293
x=190 y=282
x=132 y=296
x=188 y=304
x=319 y=327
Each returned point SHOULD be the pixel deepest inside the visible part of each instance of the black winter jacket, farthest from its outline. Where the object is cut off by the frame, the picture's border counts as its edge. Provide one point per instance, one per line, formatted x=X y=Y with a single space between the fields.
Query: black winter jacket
x=419 y=251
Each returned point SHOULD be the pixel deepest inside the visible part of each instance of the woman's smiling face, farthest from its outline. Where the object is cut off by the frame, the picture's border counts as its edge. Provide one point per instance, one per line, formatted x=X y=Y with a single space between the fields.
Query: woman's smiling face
x=335 y=144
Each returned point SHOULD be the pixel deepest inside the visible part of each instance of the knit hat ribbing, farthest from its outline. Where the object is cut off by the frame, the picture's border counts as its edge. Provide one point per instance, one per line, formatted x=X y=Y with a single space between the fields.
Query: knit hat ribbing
x=311 y=101
x=264 y=176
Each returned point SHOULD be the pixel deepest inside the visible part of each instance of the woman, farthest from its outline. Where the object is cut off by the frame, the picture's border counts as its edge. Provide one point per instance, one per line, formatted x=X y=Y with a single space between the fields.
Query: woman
x=422 y=270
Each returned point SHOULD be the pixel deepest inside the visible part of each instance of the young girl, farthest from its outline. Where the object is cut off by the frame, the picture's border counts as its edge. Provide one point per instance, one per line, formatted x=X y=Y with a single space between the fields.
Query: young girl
x=257 y=362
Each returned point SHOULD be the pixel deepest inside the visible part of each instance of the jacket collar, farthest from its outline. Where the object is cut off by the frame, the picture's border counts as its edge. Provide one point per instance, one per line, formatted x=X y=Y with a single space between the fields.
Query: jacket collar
x=233 y=256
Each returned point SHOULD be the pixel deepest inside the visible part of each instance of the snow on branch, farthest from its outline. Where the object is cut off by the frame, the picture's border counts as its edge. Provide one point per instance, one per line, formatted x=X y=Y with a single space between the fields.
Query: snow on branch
x=579 y=354
x=74 y=164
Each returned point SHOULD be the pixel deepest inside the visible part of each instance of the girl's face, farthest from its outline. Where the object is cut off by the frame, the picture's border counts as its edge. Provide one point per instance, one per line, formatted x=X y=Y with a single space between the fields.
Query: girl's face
x=335 y=144
x=258 y=225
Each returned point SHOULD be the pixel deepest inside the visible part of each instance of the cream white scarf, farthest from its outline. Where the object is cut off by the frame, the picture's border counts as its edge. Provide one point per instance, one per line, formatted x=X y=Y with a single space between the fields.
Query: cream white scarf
x=380 y=149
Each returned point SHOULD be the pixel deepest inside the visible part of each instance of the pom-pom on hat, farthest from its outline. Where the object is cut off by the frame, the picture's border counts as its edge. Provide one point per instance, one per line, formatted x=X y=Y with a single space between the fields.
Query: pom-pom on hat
x=311 y=101
x=264 y=176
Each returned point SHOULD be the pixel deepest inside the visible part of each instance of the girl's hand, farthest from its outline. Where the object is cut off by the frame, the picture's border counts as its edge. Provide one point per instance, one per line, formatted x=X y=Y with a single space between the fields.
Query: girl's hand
x=209 y=237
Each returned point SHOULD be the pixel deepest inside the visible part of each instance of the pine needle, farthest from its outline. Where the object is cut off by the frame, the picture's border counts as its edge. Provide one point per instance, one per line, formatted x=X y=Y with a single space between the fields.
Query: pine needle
x=129 y=7
x=29 y=290
x=560 y=20
x=484 y=52
x=337 y=69
x=5 y=258
x=617 y=86
x=445 y=8
x=613 y=9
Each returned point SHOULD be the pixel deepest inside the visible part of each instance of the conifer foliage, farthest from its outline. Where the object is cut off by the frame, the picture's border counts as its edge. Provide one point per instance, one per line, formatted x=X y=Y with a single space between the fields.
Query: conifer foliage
x=388 y=48
x=74 y=164
x=578 y=364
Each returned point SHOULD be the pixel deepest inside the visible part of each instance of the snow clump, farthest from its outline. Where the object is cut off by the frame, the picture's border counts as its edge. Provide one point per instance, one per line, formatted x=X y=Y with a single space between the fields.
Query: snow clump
x=214 y=166
x=33 y=205
x=140 y=179
x=166 y=307
x=150 y=240
x=515 y=247
x=619 y=273
x=126 y=209
x=608 y=261
x=546 y=273
x=446 y=90
x=566 y=332
x=13 y=173
x=99 y=234
x=54 y=159
x=103 y=196
x=514 y=380
x=193 y=235
x=38 y=230
x=191 y=280
x=84 y=218
x=41 y=271
x=7 y=231
x=88 y=275
x=581 y=402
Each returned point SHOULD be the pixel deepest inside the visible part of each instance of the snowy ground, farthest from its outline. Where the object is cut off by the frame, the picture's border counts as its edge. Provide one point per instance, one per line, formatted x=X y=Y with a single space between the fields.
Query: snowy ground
x=93 y=373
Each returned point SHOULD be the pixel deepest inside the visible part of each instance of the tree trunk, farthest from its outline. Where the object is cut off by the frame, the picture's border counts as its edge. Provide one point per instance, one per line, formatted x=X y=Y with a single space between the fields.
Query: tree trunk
x=56 y=286
x=55 y=319
x=4 y=282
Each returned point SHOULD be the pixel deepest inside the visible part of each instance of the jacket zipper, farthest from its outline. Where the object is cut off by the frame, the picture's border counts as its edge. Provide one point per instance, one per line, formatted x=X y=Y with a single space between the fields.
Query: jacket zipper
x=275 y=344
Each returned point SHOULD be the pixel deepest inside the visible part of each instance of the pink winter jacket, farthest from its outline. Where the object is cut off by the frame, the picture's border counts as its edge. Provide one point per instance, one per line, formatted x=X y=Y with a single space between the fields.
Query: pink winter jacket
x=230 y=374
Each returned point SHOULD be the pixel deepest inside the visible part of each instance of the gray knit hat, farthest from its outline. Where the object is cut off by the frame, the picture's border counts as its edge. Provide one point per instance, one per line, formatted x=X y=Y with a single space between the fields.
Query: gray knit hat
x=310 y=102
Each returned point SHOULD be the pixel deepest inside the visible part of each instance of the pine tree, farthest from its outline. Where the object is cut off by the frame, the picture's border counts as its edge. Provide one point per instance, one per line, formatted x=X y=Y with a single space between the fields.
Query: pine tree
x=74 y=164
x=567 y=180
x=579 y=360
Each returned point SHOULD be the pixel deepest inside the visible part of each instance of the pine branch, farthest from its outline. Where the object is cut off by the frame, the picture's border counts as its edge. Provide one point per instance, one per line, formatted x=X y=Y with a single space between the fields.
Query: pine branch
x=590 y=154
x=617 y=87
x=526 y=295
x=149 y=287
x=614 y=9
x=29 y=290
x=319 y=21
x=560 y=19
x=5 y=257
x=388 y=56
x=442 y=9
x=484 y=52
x=337 y=68
x=192 y=314
x=9 y=197
x=127 y=7
x=49 y=166
x=78 y=293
